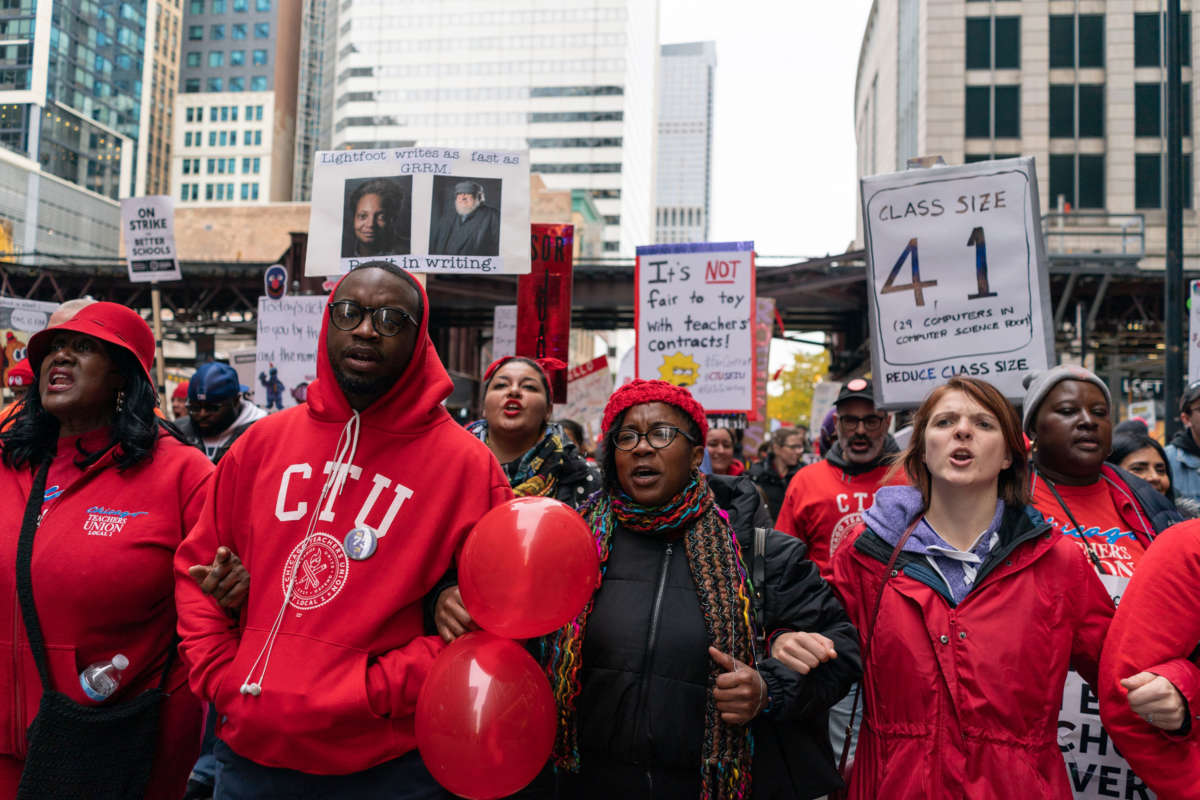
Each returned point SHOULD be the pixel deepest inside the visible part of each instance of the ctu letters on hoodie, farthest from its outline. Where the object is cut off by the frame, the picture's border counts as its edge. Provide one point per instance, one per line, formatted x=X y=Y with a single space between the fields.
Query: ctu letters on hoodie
x=381 y=483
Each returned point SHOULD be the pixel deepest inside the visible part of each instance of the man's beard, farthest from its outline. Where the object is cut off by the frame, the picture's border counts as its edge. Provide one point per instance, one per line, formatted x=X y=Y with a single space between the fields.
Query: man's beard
x=463 y=210
x=362 y=387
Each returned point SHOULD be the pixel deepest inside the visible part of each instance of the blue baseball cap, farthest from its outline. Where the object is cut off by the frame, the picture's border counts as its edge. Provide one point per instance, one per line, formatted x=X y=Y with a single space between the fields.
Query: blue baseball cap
x=214 y=382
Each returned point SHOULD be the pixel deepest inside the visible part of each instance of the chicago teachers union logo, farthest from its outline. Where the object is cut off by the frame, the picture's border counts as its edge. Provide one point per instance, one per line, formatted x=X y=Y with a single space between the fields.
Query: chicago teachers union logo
x=103 y=521
x=843 y=527
x=321 y=568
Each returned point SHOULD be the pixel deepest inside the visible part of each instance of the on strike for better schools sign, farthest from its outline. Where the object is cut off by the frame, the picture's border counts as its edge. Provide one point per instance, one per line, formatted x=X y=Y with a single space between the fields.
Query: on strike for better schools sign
x=695 y=306
x=957 y=278
x=149 y=227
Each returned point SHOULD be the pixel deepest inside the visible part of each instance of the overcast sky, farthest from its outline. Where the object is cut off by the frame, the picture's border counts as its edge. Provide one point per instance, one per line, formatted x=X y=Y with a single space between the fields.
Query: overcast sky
x=783 y=142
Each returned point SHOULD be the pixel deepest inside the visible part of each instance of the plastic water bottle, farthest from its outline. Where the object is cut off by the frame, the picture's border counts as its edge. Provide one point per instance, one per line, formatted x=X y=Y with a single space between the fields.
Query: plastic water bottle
x=101 y=679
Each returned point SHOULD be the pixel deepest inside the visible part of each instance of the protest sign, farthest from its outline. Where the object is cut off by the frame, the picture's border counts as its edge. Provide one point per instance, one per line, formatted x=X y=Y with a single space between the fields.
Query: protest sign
x=1194 y=333
x=588 y=388
x=504 y=331
x=1095 y=769
x=823 y=397
x=426 y=209
x=149 y=227
x=694 y=312
x=286 y=359
x=957 y=278
x=19 y=319
x=544 y=301
x=756 y=431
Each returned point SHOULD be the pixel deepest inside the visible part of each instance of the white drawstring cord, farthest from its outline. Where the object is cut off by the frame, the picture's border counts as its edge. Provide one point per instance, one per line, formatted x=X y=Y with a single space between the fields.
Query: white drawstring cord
x=335 y=482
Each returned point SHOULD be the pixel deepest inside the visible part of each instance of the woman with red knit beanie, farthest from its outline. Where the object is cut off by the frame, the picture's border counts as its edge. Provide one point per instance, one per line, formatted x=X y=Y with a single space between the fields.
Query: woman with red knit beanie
x=657 y=681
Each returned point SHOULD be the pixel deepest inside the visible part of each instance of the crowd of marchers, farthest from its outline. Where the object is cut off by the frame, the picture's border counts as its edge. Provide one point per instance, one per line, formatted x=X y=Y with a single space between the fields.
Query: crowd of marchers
x=266 y=594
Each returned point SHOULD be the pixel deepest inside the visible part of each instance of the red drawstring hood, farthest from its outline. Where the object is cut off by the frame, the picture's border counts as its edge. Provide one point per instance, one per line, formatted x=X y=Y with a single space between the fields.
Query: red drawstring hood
x=412 y=404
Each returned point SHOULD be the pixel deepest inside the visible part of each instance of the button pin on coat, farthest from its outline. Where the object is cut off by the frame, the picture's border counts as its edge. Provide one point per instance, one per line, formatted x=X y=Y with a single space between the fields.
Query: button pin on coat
x=360 y=543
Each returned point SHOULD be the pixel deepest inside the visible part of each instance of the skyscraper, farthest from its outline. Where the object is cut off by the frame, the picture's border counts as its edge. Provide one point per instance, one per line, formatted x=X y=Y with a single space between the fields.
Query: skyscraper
x=235 y=114
x=71 y=120
x=575 y=81
x=160 y=79
x=314 y=97
x=685 y=116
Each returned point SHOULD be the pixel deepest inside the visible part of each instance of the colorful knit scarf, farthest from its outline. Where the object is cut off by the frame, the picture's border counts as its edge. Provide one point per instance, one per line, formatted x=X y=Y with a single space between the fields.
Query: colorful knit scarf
x=537 y=471
x=721 y=584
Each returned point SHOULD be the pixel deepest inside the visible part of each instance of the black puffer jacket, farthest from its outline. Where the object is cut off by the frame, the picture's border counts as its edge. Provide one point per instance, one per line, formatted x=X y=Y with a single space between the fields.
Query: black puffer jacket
x=763 y=473
x=645 y=670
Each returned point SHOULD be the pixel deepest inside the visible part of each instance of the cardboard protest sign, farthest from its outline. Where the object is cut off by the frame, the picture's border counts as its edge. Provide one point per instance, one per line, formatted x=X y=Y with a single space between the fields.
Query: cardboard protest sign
x=1094 y=767
x=694 y=318
x=544 y=301
x=286 y=361
x=148 y=224
x=588 y=388
x=957 y=278
x=504 y=331
x=427 y=209
x=19 y=319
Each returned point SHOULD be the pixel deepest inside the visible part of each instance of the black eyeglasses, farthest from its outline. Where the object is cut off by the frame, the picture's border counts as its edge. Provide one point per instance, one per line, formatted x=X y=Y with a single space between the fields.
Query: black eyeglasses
x=658 y=437
x=848 y=422
x=346 y=315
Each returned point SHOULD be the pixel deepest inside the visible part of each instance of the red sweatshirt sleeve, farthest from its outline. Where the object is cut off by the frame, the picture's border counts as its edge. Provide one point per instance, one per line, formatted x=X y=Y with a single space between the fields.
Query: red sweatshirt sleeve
x=209 y=637
x=1156 y=628
x=1094 y=610
x=395 y=678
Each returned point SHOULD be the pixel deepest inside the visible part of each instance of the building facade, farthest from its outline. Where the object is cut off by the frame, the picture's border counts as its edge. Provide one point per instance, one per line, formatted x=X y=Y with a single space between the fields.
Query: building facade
x=235 y=113
x=574 y=81
x=1080 y=86
x=160 y=77
x=314 y=96
x=685 y=122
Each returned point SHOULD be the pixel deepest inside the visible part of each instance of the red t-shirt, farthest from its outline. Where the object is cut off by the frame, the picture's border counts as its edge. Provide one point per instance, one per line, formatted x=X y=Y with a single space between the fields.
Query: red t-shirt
x=1111 y=539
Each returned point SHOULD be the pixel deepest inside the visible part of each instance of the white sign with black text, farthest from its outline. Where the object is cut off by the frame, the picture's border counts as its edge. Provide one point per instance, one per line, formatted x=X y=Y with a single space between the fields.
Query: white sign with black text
x=957 y=278
x=426 y=209
x=148 y=224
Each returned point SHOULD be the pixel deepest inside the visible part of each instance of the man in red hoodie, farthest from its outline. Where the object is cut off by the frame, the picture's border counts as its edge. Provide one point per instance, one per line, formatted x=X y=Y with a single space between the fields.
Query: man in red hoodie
x=826 y=500
x=346 y=510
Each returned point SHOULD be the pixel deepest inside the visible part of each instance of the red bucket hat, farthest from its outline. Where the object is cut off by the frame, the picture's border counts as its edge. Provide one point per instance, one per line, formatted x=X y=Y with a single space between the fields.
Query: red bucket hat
x=108 y=322
x=639 y=391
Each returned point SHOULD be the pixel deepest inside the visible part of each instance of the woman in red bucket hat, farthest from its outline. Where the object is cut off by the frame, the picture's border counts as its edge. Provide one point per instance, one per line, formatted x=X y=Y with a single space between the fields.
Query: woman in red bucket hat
x=107 y=494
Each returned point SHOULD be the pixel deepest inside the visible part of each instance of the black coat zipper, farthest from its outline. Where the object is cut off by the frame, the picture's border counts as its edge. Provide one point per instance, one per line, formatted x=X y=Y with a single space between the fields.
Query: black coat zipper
x=651 y=636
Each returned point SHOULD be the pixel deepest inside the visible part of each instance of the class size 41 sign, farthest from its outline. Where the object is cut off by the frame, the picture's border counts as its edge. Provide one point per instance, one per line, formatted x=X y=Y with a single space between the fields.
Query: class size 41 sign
x=957 y=278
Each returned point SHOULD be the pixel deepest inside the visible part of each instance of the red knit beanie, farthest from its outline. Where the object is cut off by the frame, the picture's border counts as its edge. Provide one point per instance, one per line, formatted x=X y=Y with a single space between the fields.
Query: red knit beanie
x=639 y=391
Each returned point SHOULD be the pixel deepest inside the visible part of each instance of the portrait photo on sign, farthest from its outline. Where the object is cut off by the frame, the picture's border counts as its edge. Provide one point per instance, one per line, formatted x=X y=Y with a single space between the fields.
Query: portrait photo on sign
x=465 y=216
x=377 y=218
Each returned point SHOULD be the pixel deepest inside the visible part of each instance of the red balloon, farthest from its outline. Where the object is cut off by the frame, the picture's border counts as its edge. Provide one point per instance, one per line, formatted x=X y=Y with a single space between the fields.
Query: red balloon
x=528 y=567
x=485 y=717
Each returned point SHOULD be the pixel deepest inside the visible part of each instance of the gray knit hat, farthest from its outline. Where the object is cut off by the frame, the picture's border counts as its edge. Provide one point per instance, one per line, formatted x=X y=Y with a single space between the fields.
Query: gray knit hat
x=1039 y=384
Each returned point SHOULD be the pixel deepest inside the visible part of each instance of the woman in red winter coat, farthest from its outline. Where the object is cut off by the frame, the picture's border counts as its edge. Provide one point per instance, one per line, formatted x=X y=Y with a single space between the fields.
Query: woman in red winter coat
x=119 y=494
x=970 y=614
x=1150 y=672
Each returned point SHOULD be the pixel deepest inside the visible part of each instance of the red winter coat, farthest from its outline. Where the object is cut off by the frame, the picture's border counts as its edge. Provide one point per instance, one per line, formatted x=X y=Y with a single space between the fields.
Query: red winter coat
x=1157 y=629
x=962 y=701
x=341 y=672
x=103 y=585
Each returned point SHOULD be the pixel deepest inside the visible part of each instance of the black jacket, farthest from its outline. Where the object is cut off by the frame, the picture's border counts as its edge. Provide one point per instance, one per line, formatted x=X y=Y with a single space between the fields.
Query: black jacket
x=192 y=437
x=763 y=474
x=644 y=679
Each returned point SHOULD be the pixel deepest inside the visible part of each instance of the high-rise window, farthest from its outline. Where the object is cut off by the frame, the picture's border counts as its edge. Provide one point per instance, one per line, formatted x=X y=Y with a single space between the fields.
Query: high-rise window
x=993 y=111
x=258 y=83
x=195 y=33
x=237 y=31
x=241 y=5
x=993 y=42
x=1148 y=107
x=216 y=58
x=237 y=83
x=259 y=57
x=193 y=59
x=237 y=58
x=262 y=30
x=1149 y=38
x=1077 y=180
x=1091 y=110
x=216 y=32
x=218 y=6
x=1084 y=30
x=262 y=5
x=1147 y=180
x=196 y=7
